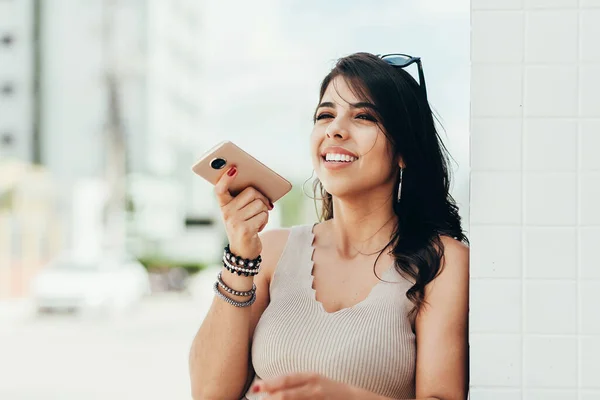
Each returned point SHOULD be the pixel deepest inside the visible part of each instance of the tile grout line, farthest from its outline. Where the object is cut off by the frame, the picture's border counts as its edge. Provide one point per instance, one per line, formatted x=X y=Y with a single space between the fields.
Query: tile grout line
x=535 y=335
x=544 y=117
x=578 y=320
x=523 y=267
x=516 y=278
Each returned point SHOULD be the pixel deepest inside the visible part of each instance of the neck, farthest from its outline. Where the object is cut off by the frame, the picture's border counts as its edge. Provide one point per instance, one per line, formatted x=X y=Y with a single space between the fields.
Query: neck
x=362 y=225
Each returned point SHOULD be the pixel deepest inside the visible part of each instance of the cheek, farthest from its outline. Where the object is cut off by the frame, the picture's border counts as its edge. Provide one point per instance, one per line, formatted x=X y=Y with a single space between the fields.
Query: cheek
x=371 y=145
x=376 y=156
x=316 y=138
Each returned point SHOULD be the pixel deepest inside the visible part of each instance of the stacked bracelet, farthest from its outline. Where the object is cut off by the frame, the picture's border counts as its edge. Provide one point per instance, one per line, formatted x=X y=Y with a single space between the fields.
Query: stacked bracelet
x=235 y=269
x=229 y=290
x=236 y=264
x=233 y=302
x=239 y=265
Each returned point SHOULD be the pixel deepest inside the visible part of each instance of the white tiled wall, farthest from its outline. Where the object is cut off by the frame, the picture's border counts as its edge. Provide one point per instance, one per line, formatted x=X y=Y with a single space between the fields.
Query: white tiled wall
x=535 y=200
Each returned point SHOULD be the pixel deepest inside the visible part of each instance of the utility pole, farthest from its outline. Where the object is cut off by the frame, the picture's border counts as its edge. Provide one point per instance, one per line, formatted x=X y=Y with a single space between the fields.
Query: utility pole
x=114 y=135
x=37 y=91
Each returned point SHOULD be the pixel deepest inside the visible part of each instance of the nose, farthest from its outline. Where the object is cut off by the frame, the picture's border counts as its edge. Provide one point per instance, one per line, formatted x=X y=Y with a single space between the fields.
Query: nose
x=336 y=129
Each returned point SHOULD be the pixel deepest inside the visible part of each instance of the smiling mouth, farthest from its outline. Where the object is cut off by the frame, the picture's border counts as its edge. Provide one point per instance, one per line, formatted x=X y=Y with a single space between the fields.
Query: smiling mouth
x=339 y=158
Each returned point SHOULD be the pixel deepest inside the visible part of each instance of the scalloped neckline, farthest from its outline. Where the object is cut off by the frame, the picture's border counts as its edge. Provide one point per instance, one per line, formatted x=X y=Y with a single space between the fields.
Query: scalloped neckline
x=312 y=277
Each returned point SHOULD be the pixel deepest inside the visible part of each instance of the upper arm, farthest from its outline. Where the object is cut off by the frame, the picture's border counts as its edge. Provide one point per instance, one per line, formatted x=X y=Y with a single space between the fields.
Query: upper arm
x=273 y=243
x=442 y=328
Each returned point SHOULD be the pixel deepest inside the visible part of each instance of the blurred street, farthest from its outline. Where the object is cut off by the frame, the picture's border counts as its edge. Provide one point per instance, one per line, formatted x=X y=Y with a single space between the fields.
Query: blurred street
x=143 y=355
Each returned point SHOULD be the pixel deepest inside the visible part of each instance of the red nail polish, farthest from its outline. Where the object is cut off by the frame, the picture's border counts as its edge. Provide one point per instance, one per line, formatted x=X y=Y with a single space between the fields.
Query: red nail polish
x=271 y=205
x=255 y=389
x=232 y=171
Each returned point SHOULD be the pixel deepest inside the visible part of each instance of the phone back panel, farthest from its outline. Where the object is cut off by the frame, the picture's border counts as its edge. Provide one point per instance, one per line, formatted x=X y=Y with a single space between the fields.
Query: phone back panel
x=251 y=172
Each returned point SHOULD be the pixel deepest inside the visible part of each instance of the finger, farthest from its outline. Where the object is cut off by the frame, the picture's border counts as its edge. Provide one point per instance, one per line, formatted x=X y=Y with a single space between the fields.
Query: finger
x=297 y=393
x=254 y=208
x=248 y=195
x=264 y=224
x=222 y=186
x=284 y=382
x=258 y=221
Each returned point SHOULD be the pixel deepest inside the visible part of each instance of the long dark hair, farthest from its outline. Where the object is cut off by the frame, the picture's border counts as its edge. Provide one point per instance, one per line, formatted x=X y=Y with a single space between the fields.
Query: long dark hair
x=426 y=209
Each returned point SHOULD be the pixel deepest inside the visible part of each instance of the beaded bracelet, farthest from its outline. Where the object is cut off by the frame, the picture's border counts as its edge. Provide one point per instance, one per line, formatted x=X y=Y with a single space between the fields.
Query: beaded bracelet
x=231 y=301
x=242 y=262
x=229 y=290
x=235 y=269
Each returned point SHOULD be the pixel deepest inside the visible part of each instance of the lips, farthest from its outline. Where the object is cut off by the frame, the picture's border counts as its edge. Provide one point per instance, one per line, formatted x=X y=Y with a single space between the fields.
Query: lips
x=337 y=158
x=337 y=150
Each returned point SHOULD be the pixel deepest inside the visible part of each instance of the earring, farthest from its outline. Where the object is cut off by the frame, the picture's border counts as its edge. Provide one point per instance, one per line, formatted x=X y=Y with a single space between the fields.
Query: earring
x=400 y=185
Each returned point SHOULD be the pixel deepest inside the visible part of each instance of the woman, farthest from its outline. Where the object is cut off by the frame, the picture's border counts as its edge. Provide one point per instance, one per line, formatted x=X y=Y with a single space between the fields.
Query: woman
x=320 y=323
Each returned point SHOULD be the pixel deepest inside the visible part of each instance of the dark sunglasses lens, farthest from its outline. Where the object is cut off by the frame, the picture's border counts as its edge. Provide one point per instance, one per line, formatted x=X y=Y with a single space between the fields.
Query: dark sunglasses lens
x=396 y=60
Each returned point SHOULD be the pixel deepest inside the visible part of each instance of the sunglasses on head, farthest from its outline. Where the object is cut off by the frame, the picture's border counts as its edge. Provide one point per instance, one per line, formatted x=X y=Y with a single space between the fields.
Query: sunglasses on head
x=404 y=60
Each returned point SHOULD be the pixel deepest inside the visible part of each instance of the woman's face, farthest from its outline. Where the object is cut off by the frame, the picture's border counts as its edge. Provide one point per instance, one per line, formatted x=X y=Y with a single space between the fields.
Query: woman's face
x=350 y=153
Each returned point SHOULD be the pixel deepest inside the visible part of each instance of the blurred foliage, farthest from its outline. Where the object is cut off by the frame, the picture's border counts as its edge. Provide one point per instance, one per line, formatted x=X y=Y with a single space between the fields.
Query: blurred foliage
x=161 y=264
x=129 y=204
x=6 y=199
x=291 y=206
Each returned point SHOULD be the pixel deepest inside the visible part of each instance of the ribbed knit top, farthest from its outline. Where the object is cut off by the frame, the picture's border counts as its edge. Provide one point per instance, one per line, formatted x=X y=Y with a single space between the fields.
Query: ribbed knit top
x=370 y=345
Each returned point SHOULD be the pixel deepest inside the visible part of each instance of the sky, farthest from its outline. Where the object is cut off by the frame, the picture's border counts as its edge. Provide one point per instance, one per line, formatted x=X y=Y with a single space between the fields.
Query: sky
x=263 y=62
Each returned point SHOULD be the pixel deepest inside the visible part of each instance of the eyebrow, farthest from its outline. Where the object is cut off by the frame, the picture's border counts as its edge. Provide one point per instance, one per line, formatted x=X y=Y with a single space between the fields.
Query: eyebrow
x=362 y=104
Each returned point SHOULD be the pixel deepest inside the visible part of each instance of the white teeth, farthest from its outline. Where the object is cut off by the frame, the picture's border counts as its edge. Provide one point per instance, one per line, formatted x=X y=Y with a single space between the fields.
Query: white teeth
x=339 y=157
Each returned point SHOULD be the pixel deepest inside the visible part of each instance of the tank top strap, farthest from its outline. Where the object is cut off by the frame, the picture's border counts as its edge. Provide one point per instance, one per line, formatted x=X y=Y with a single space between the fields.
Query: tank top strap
x=295 y=262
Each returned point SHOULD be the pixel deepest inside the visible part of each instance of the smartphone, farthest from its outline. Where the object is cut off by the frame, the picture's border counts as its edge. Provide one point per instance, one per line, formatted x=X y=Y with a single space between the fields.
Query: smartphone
x=251 y=172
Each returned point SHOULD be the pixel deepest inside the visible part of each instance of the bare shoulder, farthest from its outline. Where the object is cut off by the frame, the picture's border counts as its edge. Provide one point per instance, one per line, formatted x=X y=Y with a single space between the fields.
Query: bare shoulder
x=454 y=244
x=273 y=242
x=455 y=255
x=454 y=269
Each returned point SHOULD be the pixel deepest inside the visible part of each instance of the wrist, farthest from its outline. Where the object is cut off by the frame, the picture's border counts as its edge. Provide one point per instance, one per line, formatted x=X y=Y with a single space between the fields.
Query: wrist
x=240 y=266
x=249 y=255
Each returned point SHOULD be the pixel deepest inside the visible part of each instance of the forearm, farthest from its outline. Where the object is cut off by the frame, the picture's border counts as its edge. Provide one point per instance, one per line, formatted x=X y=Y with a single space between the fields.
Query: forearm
x=220 y=350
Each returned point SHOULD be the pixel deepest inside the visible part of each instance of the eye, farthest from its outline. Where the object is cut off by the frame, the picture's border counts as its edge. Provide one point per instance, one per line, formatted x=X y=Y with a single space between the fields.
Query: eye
x=366 y=117
x=323 y=116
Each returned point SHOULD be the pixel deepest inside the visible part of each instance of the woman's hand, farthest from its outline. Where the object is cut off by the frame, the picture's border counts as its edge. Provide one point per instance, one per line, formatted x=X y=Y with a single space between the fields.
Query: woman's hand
x=244 y=215
x=307 y=386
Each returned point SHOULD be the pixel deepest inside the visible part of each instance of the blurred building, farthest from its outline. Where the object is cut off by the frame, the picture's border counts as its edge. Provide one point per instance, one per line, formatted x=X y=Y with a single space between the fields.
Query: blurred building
x=152 y=46
x=30 y=227
x=55 y=104
x=17 y=80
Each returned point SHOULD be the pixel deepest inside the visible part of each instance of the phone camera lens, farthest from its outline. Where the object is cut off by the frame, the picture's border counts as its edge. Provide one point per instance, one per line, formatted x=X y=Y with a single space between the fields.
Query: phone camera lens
x=218 y=163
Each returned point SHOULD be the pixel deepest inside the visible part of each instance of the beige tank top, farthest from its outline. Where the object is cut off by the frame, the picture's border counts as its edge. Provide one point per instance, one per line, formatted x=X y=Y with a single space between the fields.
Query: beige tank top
x=370 y=345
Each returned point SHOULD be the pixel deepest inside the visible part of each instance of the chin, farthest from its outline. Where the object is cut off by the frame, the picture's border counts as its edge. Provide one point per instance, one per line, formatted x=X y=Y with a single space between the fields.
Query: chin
x=338 y=189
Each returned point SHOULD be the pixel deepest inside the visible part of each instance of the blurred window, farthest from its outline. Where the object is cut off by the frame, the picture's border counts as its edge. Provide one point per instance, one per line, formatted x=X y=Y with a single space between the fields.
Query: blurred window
x=7 y=89
x=7 y=39
x=7 y=139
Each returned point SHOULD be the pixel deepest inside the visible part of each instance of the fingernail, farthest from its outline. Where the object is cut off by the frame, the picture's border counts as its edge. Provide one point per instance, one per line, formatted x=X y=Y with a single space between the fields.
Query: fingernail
x=255 y=389
x=271 y=205
x=232 y=171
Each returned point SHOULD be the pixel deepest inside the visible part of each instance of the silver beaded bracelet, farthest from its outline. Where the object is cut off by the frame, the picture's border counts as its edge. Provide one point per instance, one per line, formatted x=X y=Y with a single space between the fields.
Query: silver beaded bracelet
x=231 y=301
x=235 y=292
x=252 y=271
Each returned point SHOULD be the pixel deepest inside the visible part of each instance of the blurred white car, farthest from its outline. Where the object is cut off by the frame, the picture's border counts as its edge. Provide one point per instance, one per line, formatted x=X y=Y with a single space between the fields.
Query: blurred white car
x=111 y=283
